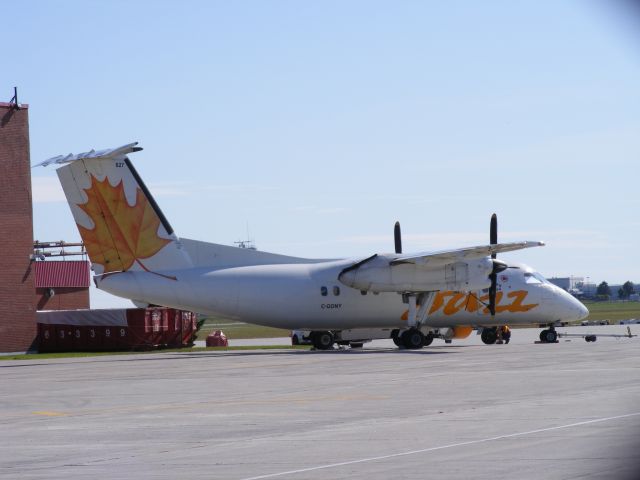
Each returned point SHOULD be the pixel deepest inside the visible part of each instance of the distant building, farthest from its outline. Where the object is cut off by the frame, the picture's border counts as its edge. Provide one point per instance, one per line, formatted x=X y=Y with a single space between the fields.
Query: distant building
x=575 y=285
x=580 y=288
x=562 y=282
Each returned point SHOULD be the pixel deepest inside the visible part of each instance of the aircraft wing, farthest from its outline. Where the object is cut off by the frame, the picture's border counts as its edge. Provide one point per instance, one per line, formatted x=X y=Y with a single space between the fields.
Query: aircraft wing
x=468 y=253
x=462 y=269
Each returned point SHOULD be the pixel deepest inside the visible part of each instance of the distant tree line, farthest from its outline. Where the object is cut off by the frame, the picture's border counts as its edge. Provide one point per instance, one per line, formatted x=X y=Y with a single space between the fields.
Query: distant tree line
x=603 y=292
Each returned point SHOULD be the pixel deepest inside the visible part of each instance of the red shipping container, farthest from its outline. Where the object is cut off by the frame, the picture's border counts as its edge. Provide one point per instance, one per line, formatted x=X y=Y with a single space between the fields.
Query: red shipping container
x=140 y=337
x=114 y=329
x=64 y=338
x=94 y=340
x=122 y=338
x=188 y=327
x=157 y=324
x=109 y=339
x=79 y=338
x=174 y=332
x=47 y=338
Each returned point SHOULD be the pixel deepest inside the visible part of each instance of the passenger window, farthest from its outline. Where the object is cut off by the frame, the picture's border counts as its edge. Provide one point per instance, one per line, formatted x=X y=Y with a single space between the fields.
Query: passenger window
x=323 y=291
x=336 y=290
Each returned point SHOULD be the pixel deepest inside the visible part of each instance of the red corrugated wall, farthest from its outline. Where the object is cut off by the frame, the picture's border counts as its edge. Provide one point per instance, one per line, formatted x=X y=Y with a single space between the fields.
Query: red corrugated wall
x=68 y=281
x=62 y=273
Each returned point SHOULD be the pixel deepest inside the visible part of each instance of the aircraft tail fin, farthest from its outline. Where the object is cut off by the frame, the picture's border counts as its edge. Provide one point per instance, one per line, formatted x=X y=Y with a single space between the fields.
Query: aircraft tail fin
x=119 y=221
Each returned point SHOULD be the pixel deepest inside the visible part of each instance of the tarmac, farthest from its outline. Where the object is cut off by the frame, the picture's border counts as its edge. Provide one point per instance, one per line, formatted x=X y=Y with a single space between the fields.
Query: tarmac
x=464 y=410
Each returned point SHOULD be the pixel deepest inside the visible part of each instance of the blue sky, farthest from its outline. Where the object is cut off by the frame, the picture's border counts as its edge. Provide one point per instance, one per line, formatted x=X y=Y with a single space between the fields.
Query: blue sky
x=317 y=125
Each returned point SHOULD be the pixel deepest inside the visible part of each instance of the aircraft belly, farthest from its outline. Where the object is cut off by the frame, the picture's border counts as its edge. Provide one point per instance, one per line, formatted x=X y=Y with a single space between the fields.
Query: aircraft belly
x=314 y=312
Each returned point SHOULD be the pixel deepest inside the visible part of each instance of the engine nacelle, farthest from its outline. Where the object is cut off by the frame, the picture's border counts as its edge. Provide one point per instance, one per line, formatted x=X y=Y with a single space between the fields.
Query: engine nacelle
x=377 y=275
x=458 y=332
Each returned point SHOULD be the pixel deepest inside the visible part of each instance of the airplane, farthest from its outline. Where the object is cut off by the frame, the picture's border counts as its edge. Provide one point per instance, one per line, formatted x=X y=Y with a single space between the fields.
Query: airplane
x=136 y=254
x=523 y=297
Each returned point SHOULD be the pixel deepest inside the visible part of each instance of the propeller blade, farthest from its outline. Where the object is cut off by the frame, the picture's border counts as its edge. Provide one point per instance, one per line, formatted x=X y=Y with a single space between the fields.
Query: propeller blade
x=397 y=237
x=492 y=294
x=493 y=232
x=497 y=265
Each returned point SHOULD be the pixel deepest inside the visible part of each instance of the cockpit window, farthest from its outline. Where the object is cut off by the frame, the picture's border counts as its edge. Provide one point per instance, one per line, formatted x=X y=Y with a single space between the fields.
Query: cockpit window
x=540 y=277
x=534 y=277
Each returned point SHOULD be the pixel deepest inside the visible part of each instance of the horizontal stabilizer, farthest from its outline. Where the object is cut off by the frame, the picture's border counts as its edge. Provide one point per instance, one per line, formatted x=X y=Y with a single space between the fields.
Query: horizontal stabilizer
x=91 y=154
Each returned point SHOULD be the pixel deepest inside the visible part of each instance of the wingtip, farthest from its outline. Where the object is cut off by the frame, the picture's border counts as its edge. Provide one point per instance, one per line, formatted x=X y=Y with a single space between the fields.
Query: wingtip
x=536 y=243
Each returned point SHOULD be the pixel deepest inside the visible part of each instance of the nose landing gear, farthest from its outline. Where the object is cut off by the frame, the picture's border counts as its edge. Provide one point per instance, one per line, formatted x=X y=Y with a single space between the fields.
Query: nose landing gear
x=549 y=335
x=489 y=336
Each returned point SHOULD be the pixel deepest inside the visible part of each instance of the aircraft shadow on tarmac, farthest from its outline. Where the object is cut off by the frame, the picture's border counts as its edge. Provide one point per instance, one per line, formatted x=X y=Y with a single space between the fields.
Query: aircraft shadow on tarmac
x=231 y=353
x=245 y=353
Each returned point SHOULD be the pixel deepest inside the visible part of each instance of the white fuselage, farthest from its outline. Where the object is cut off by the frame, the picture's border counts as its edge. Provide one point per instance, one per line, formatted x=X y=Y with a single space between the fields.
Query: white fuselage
x=299 y=294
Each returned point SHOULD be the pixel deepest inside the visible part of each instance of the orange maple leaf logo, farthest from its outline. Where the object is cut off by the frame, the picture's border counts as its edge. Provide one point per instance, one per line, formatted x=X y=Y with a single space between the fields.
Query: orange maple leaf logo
x=123 y=234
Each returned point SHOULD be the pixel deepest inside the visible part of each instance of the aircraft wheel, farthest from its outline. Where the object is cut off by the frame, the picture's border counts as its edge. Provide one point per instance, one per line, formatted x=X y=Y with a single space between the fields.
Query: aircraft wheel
x=323 y=340
x=428 y=339
x=356 y=345
x=489 y=335
x=550 y=336
x=413 y=339
x=543 y=336
x=398 y=342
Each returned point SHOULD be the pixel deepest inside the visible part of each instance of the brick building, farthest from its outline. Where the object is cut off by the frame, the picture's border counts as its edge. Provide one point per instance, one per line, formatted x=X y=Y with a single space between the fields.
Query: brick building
x=17 y=307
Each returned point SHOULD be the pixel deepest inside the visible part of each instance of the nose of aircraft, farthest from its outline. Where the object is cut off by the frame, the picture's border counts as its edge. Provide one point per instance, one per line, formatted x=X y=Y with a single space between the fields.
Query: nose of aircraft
x=573 y=308
x=583 y=311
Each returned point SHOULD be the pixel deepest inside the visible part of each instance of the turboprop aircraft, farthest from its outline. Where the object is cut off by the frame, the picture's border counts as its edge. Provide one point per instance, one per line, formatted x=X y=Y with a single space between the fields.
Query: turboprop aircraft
x=136 y=254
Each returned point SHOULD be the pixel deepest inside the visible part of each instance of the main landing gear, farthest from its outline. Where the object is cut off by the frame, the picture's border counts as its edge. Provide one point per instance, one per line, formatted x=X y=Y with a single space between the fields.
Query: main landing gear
x=412 y=339
x=549 y=335
x=322 y=340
